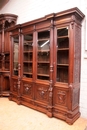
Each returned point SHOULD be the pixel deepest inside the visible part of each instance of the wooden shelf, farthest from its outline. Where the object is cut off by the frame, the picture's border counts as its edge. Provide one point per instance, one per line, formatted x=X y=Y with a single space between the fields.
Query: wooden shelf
x=44 y=39
x=44 y=62
x=43 y=51
x=26 y=42
x=43 y=75
x=27 y=61
x=63 y=64
x=63 y=36
x=63 y=49
x=27 y=73
x=29 y=51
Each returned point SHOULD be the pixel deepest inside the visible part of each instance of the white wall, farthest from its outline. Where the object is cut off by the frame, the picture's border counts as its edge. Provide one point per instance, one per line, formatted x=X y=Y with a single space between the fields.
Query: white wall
x=28 y=10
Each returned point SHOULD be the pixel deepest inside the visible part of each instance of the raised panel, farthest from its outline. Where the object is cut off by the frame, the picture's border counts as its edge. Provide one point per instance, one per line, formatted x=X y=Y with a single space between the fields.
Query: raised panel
x=60 y=97
x=41 y=93
x=15 y=86
x=27 y=89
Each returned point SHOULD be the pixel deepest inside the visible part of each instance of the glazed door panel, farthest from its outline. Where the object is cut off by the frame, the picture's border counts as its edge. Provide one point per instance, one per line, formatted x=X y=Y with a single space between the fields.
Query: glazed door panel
x=43 y=55
x=15 y=55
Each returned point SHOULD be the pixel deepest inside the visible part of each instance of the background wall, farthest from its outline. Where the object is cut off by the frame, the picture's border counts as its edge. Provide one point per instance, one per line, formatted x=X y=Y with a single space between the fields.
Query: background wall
x=28 y=10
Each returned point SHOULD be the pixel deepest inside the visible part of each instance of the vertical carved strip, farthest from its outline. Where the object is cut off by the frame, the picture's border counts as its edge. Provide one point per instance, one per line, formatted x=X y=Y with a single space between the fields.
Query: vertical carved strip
x=3 y=61
x=3 y=55
x=19 y=83
x=3 y=27
x=51 y=71
x=19 y=69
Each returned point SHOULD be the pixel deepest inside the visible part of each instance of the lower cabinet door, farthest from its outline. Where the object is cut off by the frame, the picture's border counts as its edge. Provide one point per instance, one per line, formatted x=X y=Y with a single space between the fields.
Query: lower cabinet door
x=27 y=89
x=27 y=94
x=14 y=90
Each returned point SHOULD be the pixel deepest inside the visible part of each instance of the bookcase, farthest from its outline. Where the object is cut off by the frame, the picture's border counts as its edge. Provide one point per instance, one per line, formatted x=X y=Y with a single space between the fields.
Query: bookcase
x=6 y=21
x=45 y=64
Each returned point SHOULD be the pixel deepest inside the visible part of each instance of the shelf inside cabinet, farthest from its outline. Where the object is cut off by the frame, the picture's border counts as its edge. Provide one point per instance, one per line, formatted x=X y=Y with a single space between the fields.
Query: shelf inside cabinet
x=43 y=39
x=62 y=32
x=62 y=74
x=27 y=75
x=27 y=67
x=40 y=77
x=28 y=56
x=43 y=69
x=28 y=47
x=63 y=64
x=63 y=43
x=43 y=56
x=63 y=57
x=43 y=75
x=28 y=42
x=44 y=62
x=63 y=49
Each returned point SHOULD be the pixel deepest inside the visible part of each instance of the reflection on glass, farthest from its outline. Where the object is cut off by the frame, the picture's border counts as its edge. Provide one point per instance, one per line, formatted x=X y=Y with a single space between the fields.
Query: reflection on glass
x=62 y=55
x=15 y=54
x=43 y=55
x=28 y=55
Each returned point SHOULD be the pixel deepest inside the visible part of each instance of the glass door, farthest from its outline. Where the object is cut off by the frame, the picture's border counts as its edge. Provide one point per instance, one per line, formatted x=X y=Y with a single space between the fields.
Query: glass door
x=43 y=55
x=28 y=55
x=15 y=54
x=62 y=54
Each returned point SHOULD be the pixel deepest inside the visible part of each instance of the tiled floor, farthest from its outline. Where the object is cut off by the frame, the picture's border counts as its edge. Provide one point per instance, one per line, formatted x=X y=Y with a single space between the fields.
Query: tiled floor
x=18 y=117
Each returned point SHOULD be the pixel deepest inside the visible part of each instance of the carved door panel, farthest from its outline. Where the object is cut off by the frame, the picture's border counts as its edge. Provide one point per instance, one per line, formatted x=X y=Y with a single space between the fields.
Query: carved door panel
x=27 y=89
x=60 y=97
x=41 y=93
x=14 y=86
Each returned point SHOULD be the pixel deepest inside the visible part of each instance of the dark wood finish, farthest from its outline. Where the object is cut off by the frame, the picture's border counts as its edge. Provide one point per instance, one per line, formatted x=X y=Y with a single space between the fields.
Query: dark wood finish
x=47 y=75
x=6 y=21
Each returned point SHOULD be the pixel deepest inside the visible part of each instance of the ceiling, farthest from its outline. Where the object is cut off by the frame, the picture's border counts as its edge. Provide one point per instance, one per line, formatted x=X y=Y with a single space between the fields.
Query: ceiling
x=2 y=3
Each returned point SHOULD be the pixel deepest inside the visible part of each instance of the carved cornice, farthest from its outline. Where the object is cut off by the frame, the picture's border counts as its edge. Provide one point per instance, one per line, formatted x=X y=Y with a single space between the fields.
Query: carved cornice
x=8 y=20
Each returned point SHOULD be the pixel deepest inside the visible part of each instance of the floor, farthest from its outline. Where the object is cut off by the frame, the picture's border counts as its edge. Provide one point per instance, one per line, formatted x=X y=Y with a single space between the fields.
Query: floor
x=18 y=117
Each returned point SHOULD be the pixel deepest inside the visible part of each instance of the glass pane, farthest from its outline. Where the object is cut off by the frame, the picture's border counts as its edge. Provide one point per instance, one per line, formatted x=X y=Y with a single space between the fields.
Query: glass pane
x=15 y=54
x=63 y=42
x=62 y=32
x=28 y=55
x=28 y=42
x=43 y=55
x=62 y=55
